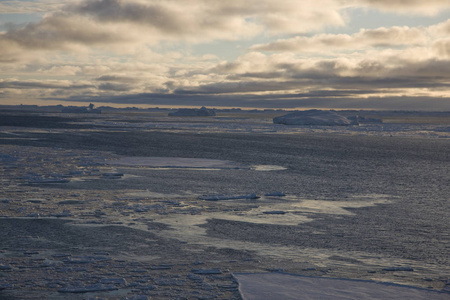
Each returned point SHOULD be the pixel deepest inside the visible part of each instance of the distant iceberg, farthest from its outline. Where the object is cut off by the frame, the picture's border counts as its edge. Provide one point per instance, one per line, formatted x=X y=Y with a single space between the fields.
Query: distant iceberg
x=313 y=117
x=81 y=110
x=193 y=112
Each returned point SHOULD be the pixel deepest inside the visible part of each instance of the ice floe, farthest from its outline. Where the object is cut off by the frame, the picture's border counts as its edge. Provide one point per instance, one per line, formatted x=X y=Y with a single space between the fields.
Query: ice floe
x=275 y=194
x=47 y=180
x=227 y=197
x=264 y=286
x=207 y=271
x=176 y=162
x=268 y=168
x=185 y=163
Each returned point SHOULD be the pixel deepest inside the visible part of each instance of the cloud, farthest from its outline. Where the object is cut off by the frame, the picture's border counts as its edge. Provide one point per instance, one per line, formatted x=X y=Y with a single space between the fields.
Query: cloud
x=58 y=32
x=117 y=87
x=163 y=52
x=118 y=78
x=30 y=6
x=194 y=17
x=126 y=25
x=420 y=7
x=440 y=30
x=130 y=24
x=64 y=70
x=396 y=72
x=42 y=84
x=365 y=38
x=442 y=48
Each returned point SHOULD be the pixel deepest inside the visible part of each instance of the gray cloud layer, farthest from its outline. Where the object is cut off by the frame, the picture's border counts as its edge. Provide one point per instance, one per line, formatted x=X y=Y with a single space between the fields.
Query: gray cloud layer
x=114 y=49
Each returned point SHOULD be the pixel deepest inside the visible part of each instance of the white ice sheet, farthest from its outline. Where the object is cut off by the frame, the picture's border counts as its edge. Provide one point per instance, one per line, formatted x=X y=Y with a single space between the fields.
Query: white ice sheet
x=269 y=286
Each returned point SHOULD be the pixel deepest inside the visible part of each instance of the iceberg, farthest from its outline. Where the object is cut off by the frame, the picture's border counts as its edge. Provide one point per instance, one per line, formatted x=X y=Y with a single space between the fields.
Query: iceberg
x=313 y=117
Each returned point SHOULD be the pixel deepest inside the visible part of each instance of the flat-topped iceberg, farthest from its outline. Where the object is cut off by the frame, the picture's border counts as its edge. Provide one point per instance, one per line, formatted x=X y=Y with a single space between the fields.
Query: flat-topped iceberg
x=313 y=117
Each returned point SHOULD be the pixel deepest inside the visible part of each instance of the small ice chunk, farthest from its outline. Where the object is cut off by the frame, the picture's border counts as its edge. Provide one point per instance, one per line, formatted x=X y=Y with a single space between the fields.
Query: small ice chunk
x=227 y=197
x=86 y=259
x=395 y=269
x=162 y=267
x=69 y=202
x=120 y=281
x=195 y=278
x=50 y=263
x=207 y=271
x=36 y=201
x=61 y=255
x=64 y=214
x=87 y=289
x=47 y=180
x=113 y=175
x=33 y=215
x=137 y=297
x=275 y=194
x=268 y=168
x=4 y=286
x=5 y=267
x=274 y=212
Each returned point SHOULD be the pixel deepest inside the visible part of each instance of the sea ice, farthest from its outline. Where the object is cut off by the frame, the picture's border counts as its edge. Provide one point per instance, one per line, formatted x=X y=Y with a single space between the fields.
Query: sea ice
x=267 y=286
x=176 y=162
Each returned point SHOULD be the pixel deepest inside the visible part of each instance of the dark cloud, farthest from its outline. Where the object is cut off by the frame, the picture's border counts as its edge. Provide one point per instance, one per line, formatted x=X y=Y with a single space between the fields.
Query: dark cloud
x=278 y=101
x=115 y=78
x=57 y=32
x=114 y=87
x=152 y=14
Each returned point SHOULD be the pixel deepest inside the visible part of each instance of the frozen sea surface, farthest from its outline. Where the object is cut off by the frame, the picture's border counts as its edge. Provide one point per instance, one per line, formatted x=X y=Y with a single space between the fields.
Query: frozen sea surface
x=355 y=203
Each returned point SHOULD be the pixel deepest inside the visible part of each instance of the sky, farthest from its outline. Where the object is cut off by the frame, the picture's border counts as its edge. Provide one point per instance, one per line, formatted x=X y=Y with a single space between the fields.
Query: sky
x=339 y=54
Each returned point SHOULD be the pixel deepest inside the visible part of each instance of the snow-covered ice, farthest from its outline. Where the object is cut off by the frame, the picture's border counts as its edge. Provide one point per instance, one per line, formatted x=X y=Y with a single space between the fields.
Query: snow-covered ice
x=268 y=286
x=176 y=162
